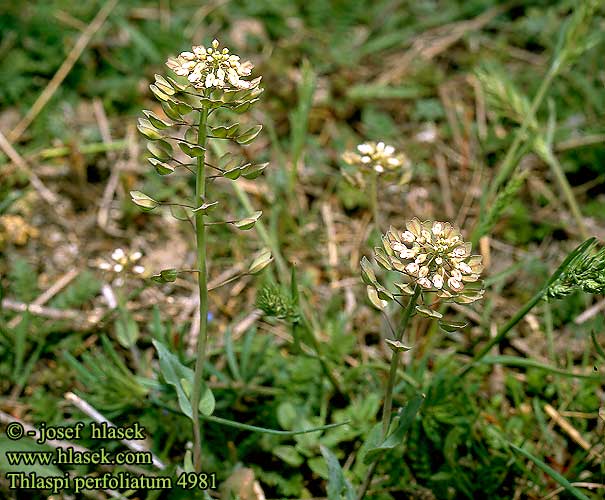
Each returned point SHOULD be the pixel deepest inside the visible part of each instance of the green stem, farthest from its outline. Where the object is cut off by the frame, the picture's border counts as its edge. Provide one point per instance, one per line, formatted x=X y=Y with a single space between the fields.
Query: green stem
x=388 y=396
x=556 y=167
x=200 y=231
x=529 y=305
x=510 y=161
x=374 y=200
x=508 y=165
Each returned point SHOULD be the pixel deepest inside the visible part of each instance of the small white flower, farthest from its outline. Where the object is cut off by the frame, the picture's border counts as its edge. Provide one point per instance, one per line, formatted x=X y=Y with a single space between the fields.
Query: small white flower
x=365 y=149
x=380 y=147
x=366 y=159
x=118 y=268
x=412 y=268
x=438 y=261
x=379 y=168
x=438 y=281
x=421 y=258
x=425 y=283
x=459 y=252
x=408 y=236
x=394 y=162
x=135 y=256
x=408 y=253
x=438 y=228
x=389 y=150
x=423 y=272
x=138 y=269
x=209 y=80
x=105 y=266
x=465 y=268
x=454 y=284
x=118 y=254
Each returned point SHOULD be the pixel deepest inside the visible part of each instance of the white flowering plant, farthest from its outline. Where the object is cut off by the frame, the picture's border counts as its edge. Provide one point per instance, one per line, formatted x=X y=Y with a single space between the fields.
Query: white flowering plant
x=205 y=79
x=372 y=161
x=434 y=265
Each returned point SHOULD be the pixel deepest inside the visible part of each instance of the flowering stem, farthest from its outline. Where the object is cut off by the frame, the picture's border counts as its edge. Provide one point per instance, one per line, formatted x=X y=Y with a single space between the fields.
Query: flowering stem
x=374 y=200
x=200 y=230
x=388 y=395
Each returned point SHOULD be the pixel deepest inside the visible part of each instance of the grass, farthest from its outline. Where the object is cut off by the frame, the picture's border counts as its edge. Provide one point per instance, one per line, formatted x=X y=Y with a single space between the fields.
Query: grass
x=299 y=346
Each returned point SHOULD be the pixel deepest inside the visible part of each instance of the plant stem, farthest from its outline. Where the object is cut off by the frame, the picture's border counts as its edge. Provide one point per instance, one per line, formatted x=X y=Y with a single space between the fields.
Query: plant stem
x=200 y=231
x=388 y=395
x=508 y=165
x=374 y=200
x=510 y=161
x=529 y=305
x=556 y=167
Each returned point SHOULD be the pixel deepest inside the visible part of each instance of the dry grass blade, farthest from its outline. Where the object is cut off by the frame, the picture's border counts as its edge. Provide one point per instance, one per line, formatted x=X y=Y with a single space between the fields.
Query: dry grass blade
x=63 y=71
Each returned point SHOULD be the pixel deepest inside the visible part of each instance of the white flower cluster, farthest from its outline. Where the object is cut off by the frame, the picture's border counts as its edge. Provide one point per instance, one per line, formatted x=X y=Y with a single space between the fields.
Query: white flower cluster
x=207 y=68
x=121 y=262
x=379 y=157
x=433 y=255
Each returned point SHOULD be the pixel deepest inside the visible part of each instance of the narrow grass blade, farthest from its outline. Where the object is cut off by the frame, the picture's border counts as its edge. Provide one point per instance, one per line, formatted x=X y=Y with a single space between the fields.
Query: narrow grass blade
x=530 y=363
x=551 y=472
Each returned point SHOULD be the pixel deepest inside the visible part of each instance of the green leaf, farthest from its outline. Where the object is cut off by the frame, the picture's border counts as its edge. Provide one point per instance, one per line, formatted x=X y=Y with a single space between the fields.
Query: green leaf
x=397 y=345
x=367 y=273
x=248 y=222
x=160 y=149
x=223 y=132
x=192 y=151
x=429 y=313
x=253 y=171
x=207 y=401
x=161 y=167
x=162 y=96
x=289 y=455
x=127 y=330
x=249 y=135
x=337 y=483
x=262 y=261
x=374 y=299
x=287 y=415
x=164 y=85
x=191 y=135
x=148 y=130
x=233 y=174
x=245 y=106
x=406 y=417
x=171 y=111
x=142 y=200
x=165 y=276
x=405 y=288
x=173 y=372
x=230 y=161
x=156 y=121
x=452 y=326
x=551 y=472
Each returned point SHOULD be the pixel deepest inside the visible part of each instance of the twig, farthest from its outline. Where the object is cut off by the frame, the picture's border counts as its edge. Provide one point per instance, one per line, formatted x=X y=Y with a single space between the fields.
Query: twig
x=46 y=194
x=61 y=283
x=590 y=312
x=47 y=312
x=63 y=71
x=86 y=408
x=569 y=429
